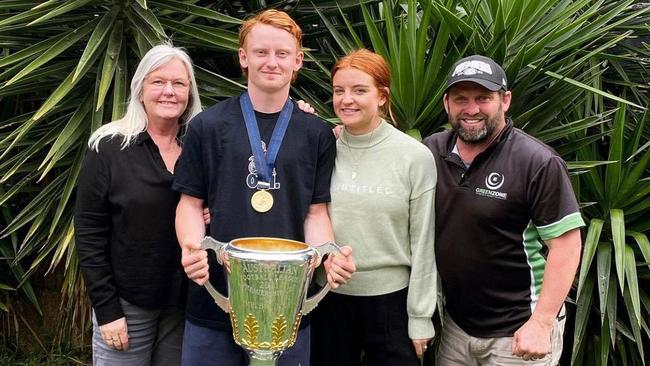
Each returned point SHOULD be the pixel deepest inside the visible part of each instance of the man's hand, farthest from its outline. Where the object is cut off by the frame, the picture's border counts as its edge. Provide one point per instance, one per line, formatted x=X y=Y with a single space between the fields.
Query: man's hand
x=115 y=334
x=306 y=107
x=195 y=263
x=420 y=346
x=190 y=230
x=532 y=340
x=339 y=267
x=206 y=215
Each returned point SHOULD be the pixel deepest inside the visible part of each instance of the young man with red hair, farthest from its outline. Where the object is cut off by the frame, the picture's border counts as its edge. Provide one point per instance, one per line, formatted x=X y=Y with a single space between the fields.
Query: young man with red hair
x=221 y=164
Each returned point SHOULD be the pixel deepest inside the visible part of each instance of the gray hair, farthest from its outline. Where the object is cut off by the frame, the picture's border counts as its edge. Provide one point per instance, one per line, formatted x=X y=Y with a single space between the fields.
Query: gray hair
x=135 y=119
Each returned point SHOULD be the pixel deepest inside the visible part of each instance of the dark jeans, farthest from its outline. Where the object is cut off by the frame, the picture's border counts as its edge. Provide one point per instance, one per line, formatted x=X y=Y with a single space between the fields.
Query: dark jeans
x=210 y=347
x=346 y=327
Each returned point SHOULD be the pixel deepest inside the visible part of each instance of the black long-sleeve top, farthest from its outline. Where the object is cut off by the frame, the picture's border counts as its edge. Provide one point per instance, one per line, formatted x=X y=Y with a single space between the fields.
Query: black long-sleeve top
x=124 y=228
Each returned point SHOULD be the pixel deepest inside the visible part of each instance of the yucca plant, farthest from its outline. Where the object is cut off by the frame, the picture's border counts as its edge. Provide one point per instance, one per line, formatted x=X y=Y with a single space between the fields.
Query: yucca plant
x=13 y=291
x=613 y=299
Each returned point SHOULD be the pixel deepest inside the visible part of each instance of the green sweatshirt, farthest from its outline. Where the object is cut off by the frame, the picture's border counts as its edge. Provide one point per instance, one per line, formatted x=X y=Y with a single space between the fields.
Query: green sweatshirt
x=383 y=189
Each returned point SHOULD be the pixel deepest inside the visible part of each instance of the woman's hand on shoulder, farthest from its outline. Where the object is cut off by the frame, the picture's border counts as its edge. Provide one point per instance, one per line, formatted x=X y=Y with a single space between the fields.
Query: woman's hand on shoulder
x=306 y=107
x=337 y=131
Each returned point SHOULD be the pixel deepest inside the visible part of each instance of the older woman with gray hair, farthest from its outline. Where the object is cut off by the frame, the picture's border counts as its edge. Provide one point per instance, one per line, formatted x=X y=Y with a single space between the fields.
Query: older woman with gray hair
x=124 y=217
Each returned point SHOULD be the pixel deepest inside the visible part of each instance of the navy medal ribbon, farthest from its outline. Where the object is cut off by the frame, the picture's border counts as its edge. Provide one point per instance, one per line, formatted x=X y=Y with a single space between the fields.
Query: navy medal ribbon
x=264 y=163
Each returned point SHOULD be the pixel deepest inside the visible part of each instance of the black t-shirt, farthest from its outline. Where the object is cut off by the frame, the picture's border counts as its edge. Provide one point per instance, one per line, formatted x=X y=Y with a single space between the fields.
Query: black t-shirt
x=217 y=165
x=124 y=228
x=492 y=220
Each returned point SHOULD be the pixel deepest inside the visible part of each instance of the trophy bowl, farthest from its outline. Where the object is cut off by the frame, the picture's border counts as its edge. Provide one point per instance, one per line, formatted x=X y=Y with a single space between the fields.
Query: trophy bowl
x=267 y=287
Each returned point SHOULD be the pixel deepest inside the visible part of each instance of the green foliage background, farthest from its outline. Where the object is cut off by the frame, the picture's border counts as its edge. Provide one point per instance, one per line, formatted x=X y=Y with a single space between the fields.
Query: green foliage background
x=578 y=70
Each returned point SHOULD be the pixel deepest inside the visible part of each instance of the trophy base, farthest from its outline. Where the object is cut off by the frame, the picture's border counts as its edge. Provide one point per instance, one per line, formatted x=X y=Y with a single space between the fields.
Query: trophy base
x=264 y=358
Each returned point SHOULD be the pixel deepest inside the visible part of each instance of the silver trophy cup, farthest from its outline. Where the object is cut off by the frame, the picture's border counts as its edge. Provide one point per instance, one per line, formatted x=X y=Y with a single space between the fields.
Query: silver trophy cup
x=267 y=287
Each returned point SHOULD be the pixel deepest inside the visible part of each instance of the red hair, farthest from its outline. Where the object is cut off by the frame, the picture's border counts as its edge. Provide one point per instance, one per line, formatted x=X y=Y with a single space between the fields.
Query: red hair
x=274 y=18
x=373 y=65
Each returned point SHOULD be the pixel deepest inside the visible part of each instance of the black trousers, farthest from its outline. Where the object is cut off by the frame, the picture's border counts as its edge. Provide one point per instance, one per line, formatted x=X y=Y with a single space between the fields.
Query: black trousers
x=362 y=330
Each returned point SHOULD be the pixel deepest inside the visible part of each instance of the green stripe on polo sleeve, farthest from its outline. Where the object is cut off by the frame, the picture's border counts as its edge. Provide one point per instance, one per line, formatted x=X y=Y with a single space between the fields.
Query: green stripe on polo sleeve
x=558 y=228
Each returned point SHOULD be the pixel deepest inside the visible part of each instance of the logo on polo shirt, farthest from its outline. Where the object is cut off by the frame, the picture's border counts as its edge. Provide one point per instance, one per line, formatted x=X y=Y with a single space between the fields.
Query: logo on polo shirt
x=493 y=182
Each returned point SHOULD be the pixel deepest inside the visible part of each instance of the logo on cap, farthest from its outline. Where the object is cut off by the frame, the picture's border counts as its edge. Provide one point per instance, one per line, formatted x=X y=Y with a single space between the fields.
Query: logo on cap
x=472 y=68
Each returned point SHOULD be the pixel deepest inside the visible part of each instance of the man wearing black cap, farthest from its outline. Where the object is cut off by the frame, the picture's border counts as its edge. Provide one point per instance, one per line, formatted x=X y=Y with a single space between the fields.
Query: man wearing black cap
x=508 y=244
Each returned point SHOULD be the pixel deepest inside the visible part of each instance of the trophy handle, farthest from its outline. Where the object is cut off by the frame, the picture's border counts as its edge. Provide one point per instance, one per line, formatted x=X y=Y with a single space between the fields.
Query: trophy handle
x=217 y=246
x=310 y=303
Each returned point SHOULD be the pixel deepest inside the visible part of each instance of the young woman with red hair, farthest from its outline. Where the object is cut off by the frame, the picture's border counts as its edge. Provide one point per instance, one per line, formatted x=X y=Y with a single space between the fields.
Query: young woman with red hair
x=382 y=206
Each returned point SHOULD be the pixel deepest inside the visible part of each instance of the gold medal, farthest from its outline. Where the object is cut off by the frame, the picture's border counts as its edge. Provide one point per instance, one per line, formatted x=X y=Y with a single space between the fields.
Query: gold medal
x=262 y=201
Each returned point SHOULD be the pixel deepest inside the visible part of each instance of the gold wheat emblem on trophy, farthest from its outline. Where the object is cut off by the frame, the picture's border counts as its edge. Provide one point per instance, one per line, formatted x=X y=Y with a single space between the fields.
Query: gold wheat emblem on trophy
x=278 y=328
x=252 y=329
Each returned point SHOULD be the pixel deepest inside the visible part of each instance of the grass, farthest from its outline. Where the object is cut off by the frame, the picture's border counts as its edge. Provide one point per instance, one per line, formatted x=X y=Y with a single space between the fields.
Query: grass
x=62 y=356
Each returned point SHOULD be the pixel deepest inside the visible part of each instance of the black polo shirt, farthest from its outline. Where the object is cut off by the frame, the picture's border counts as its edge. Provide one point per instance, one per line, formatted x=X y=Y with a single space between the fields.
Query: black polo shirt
x=492 y=220
x=124 y=228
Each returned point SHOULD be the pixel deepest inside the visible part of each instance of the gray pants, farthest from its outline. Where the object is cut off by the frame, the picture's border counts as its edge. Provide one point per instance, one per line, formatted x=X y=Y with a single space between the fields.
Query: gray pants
x=458 y=348
x=155 y=338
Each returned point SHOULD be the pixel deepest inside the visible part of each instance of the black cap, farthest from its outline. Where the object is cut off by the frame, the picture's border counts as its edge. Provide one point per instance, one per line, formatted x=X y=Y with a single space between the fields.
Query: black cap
x=478 y=69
